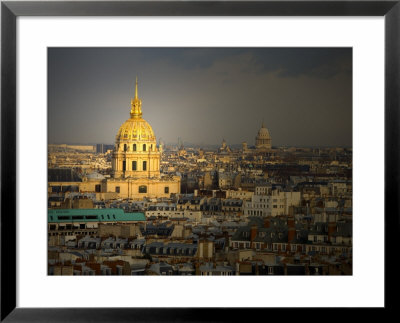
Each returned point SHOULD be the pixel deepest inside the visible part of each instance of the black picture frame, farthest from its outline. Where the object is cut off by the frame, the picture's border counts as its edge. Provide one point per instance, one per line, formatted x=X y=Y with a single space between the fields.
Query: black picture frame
x=10 y=10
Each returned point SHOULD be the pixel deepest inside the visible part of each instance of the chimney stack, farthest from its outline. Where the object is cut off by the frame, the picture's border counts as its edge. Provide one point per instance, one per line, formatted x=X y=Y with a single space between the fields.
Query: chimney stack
x=267 y=222
x=253 y=233
x=331 y=230
x=291 y=228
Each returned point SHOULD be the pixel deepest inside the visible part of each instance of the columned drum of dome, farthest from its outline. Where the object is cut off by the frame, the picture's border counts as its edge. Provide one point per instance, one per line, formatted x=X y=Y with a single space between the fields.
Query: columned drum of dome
x=263 y=138
x=136 y=154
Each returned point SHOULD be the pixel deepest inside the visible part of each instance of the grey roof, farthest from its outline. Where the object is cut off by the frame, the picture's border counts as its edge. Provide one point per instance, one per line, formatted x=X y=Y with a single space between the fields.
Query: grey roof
x=62 y=175
x=344 y=229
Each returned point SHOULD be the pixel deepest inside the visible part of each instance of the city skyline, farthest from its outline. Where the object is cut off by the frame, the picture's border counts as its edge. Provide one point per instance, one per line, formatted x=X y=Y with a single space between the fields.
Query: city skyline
x=203 y=95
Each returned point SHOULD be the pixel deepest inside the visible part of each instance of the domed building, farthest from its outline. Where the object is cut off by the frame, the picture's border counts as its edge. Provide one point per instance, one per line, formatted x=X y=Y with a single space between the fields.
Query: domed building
x=263 y=139
x=136 y=160
x=135 y=153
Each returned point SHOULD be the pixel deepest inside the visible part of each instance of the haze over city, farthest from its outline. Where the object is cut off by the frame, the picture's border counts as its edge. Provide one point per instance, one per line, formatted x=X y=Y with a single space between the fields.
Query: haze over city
x=203 y=95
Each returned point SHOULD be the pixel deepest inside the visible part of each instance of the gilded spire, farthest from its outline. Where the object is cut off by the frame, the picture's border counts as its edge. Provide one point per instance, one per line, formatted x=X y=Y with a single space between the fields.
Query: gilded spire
x=136 y=91
x=136 y=104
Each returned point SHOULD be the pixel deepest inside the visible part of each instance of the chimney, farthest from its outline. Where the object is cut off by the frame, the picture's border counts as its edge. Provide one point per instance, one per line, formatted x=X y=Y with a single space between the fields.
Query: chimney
x=253 y=232
x=290 y=222
x=267 y=222
x=291 y=234
x=291 y=228
x=331 y=230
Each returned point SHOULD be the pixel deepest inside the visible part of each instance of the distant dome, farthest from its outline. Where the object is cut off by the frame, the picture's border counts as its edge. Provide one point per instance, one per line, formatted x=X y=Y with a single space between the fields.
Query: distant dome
x=263 y=133
x=263 y=138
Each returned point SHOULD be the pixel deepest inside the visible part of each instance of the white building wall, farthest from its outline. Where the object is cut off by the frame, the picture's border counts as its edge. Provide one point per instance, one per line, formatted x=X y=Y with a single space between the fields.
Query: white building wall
x=271 y=205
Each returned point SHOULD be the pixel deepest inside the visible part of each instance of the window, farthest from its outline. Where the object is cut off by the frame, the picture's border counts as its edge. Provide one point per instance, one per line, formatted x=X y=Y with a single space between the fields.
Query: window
x=144 y=147
x=166 y=189
x=145 y=165
x=98 y=188
x=124 y=165
x=134 y=165
x=142 y=189
x=117 y=189
x=124 y=147
x=134 y=147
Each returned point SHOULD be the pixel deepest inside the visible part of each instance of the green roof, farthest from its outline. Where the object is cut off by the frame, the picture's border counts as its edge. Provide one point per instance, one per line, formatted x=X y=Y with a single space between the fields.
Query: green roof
x=92 y=215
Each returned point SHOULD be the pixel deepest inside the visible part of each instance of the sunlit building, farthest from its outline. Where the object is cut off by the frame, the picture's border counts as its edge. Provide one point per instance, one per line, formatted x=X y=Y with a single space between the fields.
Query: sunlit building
x=136 y=160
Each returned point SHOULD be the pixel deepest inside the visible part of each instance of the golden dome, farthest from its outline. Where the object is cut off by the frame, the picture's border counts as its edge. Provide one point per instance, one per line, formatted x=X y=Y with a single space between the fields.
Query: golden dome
x=135 y=129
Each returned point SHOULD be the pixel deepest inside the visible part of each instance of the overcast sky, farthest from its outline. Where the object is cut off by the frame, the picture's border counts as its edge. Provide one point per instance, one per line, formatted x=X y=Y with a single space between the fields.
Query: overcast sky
x=202 y=95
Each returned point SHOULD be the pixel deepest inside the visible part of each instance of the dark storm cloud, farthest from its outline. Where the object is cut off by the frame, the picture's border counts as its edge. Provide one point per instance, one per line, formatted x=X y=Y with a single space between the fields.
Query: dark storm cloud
x=318 y=62
x=203 y=94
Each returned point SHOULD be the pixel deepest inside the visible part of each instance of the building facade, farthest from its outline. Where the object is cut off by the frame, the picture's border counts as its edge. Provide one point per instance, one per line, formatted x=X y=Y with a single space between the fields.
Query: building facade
x=274 y=203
